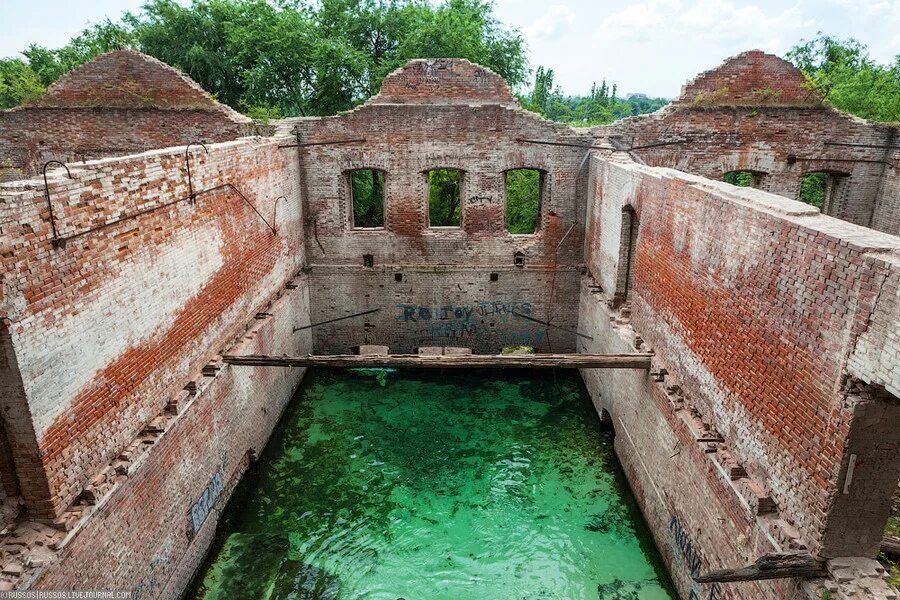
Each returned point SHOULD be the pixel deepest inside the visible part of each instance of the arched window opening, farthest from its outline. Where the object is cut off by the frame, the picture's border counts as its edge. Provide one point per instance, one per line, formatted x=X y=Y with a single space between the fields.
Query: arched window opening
x=444 y=198
x=367 y=192
x=523 y=200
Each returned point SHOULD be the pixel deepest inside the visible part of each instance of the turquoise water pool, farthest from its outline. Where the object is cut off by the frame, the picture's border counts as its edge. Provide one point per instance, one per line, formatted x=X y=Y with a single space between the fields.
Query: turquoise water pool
x=482 y=486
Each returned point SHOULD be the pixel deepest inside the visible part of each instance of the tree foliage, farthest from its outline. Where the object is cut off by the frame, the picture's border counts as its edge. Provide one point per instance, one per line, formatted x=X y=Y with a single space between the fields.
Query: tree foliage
x=18 y=83
x=523 y=200
x=600 y=107
x=292 y=57
x=739 y=178
x=444 y=189
x=813 y=187
x=848 y=78
x=368 y=197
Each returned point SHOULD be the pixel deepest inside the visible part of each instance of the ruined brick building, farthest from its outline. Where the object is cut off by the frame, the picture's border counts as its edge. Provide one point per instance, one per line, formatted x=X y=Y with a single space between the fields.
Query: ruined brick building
x=767 y=423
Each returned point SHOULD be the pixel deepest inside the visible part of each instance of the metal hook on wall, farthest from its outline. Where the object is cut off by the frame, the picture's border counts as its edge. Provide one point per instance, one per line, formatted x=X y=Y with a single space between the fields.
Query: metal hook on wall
x=55 y=240
x=274 y=212
x=187 y=162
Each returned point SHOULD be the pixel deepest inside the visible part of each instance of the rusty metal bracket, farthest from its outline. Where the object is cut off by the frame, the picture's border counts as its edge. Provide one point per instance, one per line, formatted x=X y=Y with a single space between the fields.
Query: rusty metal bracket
x=187 y=161
x=55 y=240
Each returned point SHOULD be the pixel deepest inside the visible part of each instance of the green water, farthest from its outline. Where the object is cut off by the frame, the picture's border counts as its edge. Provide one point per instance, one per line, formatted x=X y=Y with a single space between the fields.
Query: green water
x=435 y=486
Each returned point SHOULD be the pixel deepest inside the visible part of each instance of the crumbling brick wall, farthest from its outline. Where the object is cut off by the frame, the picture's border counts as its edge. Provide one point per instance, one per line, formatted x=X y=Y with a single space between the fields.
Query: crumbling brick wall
x=188 y=473
x=887 y=207
x=435 y=286
x=757 y=113
x=119 y=103
x=771 y=324
x=104 y=327
x=760 y=309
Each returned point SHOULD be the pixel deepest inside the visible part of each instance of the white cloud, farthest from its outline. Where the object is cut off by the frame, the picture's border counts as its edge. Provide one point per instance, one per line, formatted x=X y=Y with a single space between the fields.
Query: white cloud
x=721 y=22
x=555 y=21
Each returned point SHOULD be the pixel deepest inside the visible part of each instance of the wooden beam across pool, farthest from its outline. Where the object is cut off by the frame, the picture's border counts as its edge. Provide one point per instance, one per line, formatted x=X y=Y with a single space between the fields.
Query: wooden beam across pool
x=448 y=361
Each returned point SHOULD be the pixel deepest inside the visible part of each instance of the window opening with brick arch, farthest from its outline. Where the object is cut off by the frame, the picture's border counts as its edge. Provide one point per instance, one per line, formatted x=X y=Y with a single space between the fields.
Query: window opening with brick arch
x=744 y=178
x=823 y=189
x=524 y=190
x=367 y=193
x=445 y=198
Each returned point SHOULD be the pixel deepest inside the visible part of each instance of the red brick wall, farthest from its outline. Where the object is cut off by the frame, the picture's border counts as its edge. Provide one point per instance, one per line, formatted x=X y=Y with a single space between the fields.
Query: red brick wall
x=887 y=206
x=443 y=80
x=756 y=113
x=751 y=78
x=106 y=329
x=142 y=539
x=442 y=268
x=31 y=136
x=780 y=143
x=121 y=102
x=753 y=304
x=126 y=79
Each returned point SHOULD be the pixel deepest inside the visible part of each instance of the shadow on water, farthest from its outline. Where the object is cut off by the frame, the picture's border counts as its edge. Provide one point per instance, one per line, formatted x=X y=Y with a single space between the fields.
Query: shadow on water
x=428 y=485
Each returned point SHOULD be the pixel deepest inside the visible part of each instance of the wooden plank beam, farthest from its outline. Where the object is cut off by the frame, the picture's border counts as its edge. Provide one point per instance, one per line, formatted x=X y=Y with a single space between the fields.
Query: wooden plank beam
x=449 y=361
x=890 y=545
x=786 y=565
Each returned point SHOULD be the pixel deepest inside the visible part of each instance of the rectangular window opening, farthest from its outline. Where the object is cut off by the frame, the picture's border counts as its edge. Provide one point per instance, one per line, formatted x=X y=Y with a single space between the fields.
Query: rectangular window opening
x=367 y=191
x=742 y=178
x=523 y=200
x=444 y=198
x=817 y=189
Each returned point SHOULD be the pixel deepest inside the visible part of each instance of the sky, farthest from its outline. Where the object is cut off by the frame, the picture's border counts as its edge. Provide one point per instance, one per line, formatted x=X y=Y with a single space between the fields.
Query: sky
x=644 y=46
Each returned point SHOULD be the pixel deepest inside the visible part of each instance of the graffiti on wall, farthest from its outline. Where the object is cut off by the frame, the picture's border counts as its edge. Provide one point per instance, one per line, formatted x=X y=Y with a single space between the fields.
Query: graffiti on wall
x=475 y=319
x=200 y=509
x=692 y=558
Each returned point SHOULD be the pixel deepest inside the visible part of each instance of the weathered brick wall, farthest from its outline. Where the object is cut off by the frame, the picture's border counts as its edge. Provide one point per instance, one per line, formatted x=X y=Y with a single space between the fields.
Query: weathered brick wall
x=233 y=412
x=887 y=205
x=31 y=136
x=444 y=273
x=119 y=103
x=455 y=306
x=751 y=78
x=106 y=328
x=698 y=523
x=759 y=308
x=753 y=113
x=446 y=80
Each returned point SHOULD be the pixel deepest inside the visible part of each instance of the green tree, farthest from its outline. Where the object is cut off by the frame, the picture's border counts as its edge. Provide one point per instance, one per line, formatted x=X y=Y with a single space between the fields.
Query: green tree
x=523 y=198
x=843 y=72
x=739 y=178
x=812 y=189
x=444 y=209
x=601 y=106
x=290 y=57
x=49 y=65
x=368 y=198
x=18 y=83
